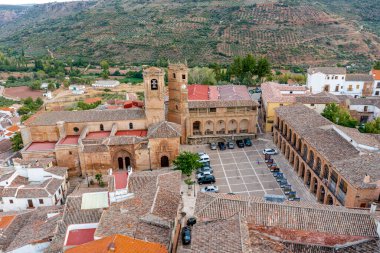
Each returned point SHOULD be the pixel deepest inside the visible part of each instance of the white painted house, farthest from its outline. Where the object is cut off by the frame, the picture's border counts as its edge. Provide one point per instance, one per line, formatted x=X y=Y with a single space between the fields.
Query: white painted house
x=106 y=84
x=33 y=183
x=77 y=89
x=330 y=79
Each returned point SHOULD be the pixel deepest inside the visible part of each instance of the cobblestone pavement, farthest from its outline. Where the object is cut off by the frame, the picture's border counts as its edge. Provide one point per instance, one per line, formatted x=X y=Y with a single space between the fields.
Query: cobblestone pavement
x=243 y=171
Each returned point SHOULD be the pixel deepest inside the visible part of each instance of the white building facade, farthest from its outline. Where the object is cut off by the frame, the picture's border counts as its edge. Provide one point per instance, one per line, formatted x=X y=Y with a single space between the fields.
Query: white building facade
x=31 y=186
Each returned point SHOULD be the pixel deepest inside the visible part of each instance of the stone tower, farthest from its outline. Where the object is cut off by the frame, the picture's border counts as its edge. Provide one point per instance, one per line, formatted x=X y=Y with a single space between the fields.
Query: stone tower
x=154 y=85
x=178 y=109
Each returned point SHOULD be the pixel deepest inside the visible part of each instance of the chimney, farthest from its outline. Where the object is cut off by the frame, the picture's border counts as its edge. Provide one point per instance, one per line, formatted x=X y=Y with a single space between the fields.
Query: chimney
x=367 y=179
x=111 y=247
x=373 y=207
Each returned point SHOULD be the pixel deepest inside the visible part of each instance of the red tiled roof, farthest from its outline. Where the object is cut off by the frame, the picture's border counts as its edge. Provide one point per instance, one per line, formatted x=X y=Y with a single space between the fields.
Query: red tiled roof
x=41 y=146
x=92 y=100
x=141 y=133
x=214 y=93
x=13 y=128
x=376 y=74
x=198 y=92
x=80 y=236
x=121 y=244
x=5 y=221
x=98 y=135
x=70 y=139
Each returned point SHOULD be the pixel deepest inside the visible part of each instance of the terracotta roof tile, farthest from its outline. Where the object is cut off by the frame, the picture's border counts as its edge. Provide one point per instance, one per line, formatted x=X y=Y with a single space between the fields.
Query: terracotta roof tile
x=327 y=70
x=121 y=243
x=359 y=77
x=164 y=129
x=51 y=118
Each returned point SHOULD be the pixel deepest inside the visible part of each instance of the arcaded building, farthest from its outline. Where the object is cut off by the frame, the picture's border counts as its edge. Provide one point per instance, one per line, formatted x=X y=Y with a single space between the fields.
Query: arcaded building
x=209 y=113
x=339 y=165
x=94 y=141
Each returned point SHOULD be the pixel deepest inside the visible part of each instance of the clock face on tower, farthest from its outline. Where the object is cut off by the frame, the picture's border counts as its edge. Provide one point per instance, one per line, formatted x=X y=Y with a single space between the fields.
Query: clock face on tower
x=154 y=84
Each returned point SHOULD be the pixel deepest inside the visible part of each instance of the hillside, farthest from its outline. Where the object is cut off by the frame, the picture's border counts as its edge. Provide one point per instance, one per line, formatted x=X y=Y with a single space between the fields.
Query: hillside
x=201 y=31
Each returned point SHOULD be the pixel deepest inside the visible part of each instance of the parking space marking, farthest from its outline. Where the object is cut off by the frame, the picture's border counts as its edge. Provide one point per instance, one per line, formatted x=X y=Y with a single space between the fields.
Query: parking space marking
x=225 y=175
x=255 y=172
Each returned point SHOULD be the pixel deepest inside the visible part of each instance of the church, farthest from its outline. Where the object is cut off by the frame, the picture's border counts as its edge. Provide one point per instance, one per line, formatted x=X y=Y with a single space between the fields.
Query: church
x=94 y=141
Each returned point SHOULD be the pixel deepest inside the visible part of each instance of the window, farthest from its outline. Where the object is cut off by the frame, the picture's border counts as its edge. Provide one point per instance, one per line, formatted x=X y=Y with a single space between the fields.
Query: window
x=176 y=107
x=342 y=77
x=378 y=85
x=312 y=104
x=336 y=77
x=337 y=88
x=174 y=75
x=328 y=77
x=76 y=129
x=41 y=201
x=357 y=86
x=212 y=109
x=183 y=77
x=70 y=153
x=11 y=201
x=281 y=104
x=101 y=127
x=59 y=191
x=365 y=108
x=350 y=87
x=291 y=92
x=377 y=93
x=154 y=84
x=130 y=125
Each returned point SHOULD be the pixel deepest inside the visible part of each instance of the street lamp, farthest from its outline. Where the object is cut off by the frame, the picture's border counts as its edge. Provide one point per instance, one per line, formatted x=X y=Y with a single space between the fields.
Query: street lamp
x=150 y=163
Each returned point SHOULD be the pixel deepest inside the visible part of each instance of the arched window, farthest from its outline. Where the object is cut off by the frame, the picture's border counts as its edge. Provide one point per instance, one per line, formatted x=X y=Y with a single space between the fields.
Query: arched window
x=131 y=125
x=154 y=84
x=101 y=127
x=174 y=75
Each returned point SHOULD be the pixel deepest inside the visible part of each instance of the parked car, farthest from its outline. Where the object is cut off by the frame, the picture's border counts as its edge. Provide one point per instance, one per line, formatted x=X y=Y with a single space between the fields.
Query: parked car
x=213 y=146
x=186 y=235
x=204 y=173
x=230 y=145
x=240 y=143
x=205 y=163
x=222 y=146
x=205 y=168
x=270 y=151
x=191 y=221
x=210 y=188
x=207 y=179
x=247 y=142
x=204 y=158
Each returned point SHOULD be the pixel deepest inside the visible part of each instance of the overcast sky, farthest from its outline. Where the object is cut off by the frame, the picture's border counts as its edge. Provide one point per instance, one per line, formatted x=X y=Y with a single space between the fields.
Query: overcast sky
x=14 y=2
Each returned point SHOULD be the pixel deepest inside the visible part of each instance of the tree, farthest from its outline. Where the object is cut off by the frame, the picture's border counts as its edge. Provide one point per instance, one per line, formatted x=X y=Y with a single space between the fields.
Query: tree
x=376 y=65
x=372 y=127
x=105 y=67
x=17 y=143
x=187 y=162
x=51 y=86
x=339 y=115
x=203 y=75
x=36 y=85
x=99 y=178
x=263 y=68
x=23 y=110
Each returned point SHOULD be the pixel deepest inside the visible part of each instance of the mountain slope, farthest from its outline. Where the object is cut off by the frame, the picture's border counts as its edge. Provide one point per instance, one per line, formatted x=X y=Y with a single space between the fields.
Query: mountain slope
x=200 y=31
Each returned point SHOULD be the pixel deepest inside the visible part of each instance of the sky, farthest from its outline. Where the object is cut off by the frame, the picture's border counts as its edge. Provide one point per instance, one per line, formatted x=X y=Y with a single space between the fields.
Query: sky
x=15 y=2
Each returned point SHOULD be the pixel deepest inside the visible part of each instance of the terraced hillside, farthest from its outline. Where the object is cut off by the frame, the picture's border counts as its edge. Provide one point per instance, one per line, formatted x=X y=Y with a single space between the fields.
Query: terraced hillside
x=200 y=31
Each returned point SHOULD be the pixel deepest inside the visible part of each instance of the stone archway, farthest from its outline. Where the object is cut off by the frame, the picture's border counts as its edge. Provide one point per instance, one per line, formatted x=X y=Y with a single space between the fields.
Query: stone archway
x=209 y=127
x=122 y=159
x=221 y=127
x=243 y=126
x=329 y=200
x=296 y=165
x=164 y=161
x=302 y=170
x=232 y=126
x=197 y=128
x=314 y=185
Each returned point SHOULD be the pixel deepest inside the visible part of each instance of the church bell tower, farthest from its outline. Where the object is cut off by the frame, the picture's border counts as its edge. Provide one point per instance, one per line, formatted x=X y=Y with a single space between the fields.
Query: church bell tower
x=178 y=109
x=154 y=96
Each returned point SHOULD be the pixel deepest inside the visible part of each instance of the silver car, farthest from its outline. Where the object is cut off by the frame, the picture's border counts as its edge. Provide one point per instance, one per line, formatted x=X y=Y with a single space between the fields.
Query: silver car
x=210 y=188
x=204 y=173
x=213 y=146
x=270 y=151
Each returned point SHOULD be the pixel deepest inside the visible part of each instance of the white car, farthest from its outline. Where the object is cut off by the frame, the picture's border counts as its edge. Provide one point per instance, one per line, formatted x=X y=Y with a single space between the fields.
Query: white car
x=203 y=157
x=210 y=188
x=270 y=151
x=204 y=173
